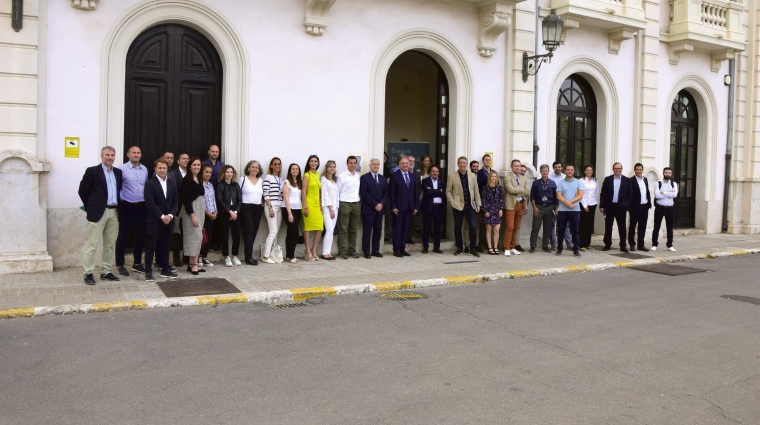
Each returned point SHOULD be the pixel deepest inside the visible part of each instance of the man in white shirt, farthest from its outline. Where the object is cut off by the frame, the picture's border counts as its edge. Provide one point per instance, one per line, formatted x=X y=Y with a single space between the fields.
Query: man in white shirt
x=556 y=177
x=665 y=193
x=641 y=202
x=350 y=210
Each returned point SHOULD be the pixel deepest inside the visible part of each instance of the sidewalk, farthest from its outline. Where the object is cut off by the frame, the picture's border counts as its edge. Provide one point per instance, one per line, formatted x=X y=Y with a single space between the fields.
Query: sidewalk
x=39 y=294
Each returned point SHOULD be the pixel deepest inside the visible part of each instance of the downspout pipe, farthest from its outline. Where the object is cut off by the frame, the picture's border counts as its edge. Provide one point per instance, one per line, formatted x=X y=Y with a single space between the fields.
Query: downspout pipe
x=535 y=97
x=729 y=143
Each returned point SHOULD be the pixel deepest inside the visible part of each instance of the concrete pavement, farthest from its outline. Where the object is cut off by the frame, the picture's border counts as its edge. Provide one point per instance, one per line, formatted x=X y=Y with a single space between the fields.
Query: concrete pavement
x=63 y=291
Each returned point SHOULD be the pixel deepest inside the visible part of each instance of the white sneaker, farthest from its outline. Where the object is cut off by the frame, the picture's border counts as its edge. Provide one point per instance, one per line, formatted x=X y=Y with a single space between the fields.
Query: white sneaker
x=236 y=261
x=672 y=249
x=514 y=251
x=506 y=253
x=207 y=263
x=268 y=260
x=653 y=248
x=228 y=262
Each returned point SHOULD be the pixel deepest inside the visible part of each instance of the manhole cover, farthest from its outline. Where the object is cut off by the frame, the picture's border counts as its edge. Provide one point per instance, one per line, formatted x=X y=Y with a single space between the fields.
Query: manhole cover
x=630 y=256
x=196 y=287
x=292 y=305
x=401 y=296
x=669 y=269
x=742 y=298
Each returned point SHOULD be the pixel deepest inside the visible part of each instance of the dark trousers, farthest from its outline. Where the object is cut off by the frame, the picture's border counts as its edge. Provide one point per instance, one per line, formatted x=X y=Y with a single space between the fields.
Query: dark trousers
x=227 y=226
x=617 y=214
x=572 y=220
x=208 y=225
x=291 y=238
x=639 y=216
x=250 y=218
x=544 y=218
x=587 y=226
x=177 y=242
x=401 y=225
x=372 y=229
x=459 y=216
x=432 y=218
x=481 y=231
x=131 y=216
x=159 y=237
x=669 y=213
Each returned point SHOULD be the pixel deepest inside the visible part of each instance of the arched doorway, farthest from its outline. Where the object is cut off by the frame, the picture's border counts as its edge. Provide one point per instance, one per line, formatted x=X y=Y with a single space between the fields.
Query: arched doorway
x=576 y=123
x=417 y=110
x=683 y=156
x=173 y=93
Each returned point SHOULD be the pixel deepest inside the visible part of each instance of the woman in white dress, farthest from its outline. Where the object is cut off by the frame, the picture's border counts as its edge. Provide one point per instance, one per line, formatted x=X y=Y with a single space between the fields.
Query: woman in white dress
x=329 y=207
x=588 y=206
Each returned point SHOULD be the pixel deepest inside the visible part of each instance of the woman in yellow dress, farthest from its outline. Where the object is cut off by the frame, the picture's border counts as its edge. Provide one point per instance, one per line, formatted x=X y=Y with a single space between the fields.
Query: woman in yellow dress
x=312 y=211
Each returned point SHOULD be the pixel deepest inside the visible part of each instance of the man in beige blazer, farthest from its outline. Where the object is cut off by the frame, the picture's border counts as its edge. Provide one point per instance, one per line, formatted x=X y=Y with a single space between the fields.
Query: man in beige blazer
x=464 y=197
x=516 y=195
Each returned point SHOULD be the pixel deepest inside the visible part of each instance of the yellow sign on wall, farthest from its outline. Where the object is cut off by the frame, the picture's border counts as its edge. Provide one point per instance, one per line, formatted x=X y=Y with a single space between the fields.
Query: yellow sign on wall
x=71 y=147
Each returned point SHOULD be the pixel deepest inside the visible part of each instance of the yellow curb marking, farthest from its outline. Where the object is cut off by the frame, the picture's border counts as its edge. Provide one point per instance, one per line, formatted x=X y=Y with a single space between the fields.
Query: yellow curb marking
x=221 y=299
x=119 y=306
x=302 y=294
x=393 y=286
x=519 y=274
x=461 y=280
x=739 y=252
x=16 y=312
x=575 y=269
x=625 y=263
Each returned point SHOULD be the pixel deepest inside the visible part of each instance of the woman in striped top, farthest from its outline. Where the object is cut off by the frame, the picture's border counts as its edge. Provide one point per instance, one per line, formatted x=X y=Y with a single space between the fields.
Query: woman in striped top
x=292 y=202
x=329 y=207
x=273 y=198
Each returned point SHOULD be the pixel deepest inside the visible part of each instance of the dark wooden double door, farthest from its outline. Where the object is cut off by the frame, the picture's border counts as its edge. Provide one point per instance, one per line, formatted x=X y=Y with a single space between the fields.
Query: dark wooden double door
x=173 y=93
x=683 y=157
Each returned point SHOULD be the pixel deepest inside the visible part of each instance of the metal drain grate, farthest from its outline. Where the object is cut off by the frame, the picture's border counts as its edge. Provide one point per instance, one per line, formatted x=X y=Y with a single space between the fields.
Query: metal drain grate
x=196 y=287
x=669 y=269
x=292 y=305
x=631 y=256
x=742 y=298
x=461 y=262
x=401 y=296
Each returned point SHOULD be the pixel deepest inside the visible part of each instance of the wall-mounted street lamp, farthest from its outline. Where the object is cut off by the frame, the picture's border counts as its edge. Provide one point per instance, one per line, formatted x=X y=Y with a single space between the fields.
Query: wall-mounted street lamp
x=551 y=29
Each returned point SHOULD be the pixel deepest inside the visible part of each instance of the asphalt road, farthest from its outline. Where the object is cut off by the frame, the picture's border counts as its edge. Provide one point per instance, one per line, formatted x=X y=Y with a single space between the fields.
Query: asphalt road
x=615 y=347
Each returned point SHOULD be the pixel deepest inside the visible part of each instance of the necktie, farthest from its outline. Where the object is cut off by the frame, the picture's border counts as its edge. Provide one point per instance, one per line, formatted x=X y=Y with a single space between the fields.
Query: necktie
x=377 y=182
x=406 y=179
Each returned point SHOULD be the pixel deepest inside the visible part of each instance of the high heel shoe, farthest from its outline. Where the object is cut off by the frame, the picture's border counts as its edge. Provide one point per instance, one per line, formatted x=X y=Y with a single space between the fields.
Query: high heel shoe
x=190 y=267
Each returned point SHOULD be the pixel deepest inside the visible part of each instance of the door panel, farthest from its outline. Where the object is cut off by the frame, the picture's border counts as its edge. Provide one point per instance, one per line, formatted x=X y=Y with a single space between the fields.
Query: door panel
x=173 y=103
x=683 y=159
x=576 y=124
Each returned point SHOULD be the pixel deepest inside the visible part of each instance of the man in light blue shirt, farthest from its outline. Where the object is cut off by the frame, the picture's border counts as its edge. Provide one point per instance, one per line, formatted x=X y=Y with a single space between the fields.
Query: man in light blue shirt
x=569 y=193
x=556 y=176
x=132 y=211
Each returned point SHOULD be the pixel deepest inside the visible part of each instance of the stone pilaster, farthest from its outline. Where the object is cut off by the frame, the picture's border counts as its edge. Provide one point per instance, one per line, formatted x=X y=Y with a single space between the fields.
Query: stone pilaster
x=644 y=149
x=24 y=224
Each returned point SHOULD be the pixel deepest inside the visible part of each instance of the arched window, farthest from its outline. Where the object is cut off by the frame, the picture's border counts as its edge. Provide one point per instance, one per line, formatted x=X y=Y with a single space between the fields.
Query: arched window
x=576 y=123
x=683 y=156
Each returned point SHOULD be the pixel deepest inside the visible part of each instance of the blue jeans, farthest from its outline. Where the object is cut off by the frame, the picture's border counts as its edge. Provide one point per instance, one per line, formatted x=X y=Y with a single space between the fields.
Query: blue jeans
x=554 y=235
x=459 y=216
x=569 y=221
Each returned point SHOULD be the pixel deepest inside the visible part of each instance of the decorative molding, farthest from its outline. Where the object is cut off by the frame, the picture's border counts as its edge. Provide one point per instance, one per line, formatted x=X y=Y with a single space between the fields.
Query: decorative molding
x=616 y=38
x=316 y=16
x=676 y=50
x=84 y=4
x=570 y=24
x=717 y=58
x=35 y=166
x=495 y=18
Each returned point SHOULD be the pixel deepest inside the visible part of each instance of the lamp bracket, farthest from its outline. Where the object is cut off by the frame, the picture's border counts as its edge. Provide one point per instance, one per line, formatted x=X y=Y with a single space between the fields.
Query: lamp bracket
x=531 y=64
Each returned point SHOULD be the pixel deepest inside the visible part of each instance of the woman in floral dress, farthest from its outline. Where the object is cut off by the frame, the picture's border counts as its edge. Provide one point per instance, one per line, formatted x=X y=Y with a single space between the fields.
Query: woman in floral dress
x=492 y=196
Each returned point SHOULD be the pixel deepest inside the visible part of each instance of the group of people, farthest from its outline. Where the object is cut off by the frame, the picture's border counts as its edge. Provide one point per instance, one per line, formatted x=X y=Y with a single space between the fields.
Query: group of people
x=208 y=197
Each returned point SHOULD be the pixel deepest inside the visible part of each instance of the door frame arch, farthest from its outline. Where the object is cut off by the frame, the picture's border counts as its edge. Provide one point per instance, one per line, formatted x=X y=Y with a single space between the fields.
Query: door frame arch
x=215 y=28
x=707 y=216
x=451 y=60
x=607 y=107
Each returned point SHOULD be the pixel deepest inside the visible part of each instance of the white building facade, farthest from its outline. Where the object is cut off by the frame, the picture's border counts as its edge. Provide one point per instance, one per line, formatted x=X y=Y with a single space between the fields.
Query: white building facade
x=290 y=78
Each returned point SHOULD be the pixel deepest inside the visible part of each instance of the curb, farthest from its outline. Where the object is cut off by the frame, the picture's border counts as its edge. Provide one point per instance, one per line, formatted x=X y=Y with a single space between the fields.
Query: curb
x=302 y=294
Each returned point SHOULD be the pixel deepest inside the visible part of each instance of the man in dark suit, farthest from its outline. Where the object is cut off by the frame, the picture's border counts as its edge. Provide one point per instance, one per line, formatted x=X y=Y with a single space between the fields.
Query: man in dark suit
x=432 y=206
x=177 y=175
x=641 y=202
x=161 y=203
x=404 y=198
x=373 y=192
x=614 y=202
x=99 y=191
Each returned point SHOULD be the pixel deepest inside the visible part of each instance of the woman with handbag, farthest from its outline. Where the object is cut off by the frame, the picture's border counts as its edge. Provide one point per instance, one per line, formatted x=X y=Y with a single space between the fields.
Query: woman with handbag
x=292 y=200
x=330 y=206
x=273 y=198
x=209 y=197
x=228 y=201
x=192 y=219
x=252 y=191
